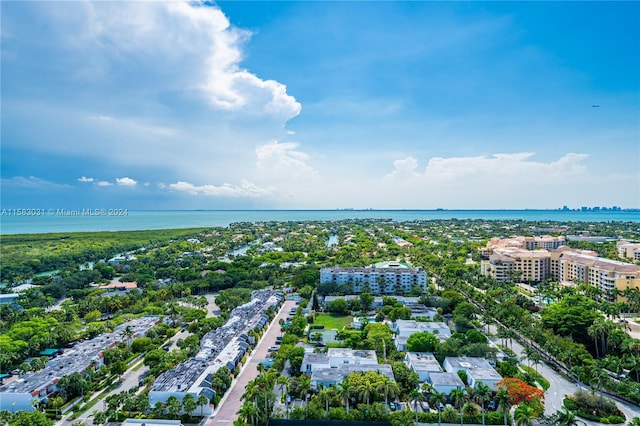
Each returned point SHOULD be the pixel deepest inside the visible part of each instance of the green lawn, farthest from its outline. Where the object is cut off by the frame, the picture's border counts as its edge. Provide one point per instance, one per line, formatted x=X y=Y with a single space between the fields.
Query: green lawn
x=331 y=321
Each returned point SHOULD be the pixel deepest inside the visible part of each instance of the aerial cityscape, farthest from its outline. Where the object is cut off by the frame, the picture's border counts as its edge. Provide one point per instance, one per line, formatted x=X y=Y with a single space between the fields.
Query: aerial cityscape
x=311 y=213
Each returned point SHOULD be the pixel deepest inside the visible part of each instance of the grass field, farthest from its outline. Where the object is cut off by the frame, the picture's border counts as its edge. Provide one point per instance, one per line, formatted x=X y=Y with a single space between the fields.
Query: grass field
x=331 y=321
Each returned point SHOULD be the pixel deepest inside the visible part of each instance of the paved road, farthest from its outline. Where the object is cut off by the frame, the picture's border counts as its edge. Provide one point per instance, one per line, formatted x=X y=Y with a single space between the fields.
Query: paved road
x=560 y=387
x=130 y=379
x=227 y=410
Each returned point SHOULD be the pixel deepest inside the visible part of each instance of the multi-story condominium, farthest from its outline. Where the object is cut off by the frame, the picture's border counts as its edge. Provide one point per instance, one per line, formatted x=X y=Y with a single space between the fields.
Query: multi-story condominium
x=509 y=264
x=546 y=242
x=629 y=250
x=391 y=277
x=563 y=264
x=605 y=274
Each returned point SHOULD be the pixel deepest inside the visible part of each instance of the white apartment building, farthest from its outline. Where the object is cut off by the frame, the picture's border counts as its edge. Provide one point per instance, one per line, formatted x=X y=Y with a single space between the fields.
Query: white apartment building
x=393 y=278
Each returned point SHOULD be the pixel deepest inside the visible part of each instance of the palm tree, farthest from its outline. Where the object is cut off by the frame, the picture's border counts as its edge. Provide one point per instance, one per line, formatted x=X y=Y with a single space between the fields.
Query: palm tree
x=536 y=359
x=481 y=394
x=202 y=401
x=189 y=404
x=594 y=332
x=524 y=414
x=283 y=382
x=56 y=403
x=437 y=398
x=415 y=397
x=248 y=412
x=504 y=403
x=324 y=397
x=566 y=417
x=457 y=397
x=388 y=388
x=344 y=391
x=173 y=406
x=366 y=391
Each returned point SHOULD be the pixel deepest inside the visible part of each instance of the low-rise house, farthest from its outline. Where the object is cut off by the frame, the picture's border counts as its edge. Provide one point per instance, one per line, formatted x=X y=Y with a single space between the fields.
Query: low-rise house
x=117 y=288
x=330 y=377
x=423 y=363
x=445 y=382
x=405 y=328
x=477 y=370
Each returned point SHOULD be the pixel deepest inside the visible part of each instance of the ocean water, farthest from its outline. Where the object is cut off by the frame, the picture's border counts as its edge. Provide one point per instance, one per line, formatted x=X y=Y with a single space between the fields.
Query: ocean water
x=167 y=219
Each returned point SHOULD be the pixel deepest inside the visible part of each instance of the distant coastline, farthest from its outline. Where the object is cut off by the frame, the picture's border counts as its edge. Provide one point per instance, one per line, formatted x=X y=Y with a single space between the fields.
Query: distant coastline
x=173 y=219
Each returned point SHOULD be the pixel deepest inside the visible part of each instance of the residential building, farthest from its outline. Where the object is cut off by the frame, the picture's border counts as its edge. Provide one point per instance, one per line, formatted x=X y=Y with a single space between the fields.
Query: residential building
x=445 y=382
x=423 y=363
x=405 y=328
x=9 y=298
x=34 y=388
x=328 y=369
x=478 y=370
x=516 y=264
x=223 y=347
x=409 y=301
x=389 y=278
x=330 y=377
x=605 y=274
x=627 y=249
x=116 y=288
x=546 y=242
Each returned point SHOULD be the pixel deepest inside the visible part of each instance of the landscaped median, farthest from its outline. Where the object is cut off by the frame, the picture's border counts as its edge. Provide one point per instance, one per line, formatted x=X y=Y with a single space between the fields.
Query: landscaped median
x=595 y=407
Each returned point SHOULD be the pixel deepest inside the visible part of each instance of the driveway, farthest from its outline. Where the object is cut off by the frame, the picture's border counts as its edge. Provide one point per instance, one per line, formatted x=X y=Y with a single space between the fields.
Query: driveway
x=226 y=412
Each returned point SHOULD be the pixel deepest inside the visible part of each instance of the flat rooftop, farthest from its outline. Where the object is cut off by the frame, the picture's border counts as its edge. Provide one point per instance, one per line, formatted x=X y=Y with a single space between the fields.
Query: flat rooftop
x=423 y=361
x=445 y=379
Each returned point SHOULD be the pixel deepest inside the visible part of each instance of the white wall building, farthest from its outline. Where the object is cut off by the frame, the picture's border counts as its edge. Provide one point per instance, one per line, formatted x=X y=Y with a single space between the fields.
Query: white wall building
x=405 y=328
x=385 y=280
x=423 y=364
x=477 y=369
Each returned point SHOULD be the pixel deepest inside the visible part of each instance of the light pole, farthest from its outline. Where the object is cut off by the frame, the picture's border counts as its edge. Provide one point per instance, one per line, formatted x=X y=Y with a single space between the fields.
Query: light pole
x=440 y=407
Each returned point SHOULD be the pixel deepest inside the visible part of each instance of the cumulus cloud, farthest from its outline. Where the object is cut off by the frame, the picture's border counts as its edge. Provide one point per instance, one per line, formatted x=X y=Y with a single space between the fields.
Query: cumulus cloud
x=283 y=158
x=196 y=37
x=165 y=78
x=245 y=189
x=517 y=165
x=126 y=181
x=503 y=180
x=104 y=183
x=85 y=179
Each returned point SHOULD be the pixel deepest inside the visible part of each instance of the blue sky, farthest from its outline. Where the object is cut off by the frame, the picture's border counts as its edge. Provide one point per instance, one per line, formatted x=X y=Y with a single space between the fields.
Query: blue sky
x=238 y=104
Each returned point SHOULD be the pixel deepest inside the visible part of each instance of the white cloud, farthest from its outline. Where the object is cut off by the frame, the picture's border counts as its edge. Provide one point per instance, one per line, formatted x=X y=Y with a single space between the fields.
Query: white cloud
x=104 y=183
x=490 y=167
x=32 y=182
x=166 y=78
x=283 y=158
x=512 y=180
x=126 y=181
x=405 y=168
x=85 y=179
x=245 y=189
x=198 y=39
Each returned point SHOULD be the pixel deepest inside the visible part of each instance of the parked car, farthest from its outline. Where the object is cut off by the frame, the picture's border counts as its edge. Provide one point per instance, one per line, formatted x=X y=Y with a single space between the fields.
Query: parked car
x=393 y=406
x=273 y=348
